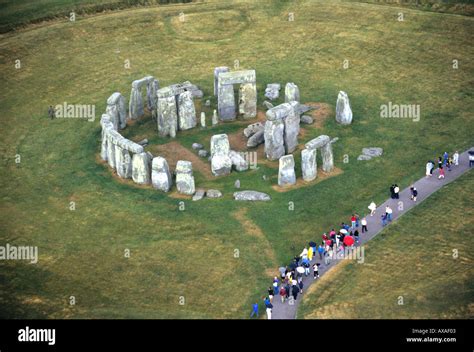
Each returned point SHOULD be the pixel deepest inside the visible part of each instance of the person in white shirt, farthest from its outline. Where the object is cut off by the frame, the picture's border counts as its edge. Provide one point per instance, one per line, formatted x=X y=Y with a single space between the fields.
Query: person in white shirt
x=456 y=158
x=388 y=210
x=363 y=222
x=372 y=208
x=471 y=159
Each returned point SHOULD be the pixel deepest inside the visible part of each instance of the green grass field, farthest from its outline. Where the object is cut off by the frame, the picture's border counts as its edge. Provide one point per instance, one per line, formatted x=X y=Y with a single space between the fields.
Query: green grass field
x=190 y=254
x=425 y=257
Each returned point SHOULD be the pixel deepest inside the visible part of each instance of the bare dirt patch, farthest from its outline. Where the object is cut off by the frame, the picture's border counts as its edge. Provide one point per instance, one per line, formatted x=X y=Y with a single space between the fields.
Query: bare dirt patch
x=174 y=151
x=302 y=183
x=320 y=114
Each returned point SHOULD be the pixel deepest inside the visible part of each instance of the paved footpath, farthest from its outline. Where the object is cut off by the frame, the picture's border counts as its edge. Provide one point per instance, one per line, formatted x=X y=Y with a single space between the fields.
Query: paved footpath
x=425 y=187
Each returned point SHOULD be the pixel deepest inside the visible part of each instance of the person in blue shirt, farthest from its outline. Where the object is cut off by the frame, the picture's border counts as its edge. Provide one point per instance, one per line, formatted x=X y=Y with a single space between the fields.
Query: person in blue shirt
x=321 y=251
x=254 y=310
x=445 y=158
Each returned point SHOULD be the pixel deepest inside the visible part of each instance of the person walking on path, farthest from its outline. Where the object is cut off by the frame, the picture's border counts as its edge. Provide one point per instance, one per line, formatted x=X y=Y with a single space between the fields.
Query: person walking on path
x=414 y=193
x=254 y=310
x=429 y=169
x=321 y=251
x=445 y=158
x=363 y=222
x=372 y=207
x=353 y=221
x=356 y=236
x=392 y=191
x=295 y=290
x=282 y=294
x=396 y=191
x=441 y=173
x=384 y=219
x=300 y=284
x=275 y=286
x=456 y=158
x=357 y=220
x=315 y=271
x=269 y=306
x=270 y=294
x=388 y=211
x=440 y=162
x=287 y=290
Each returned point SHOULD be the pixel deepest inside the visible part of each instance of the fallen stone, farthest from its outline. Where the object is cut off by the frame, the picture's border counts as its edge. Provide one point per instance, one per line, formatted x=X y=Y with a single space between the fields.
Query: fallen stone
x=253 y=128
x=364 y=157
x=257 y=139
x=302 y=108
x=267 y=104
x=207 y=103
x=238 y=161
x=372 y=151
x=306 y=119
x=197 y=146
x=213 y=193
x=143 y=142
x=200 y=193
x=272 y=91
x=334 y=140
x=203 y=153
x=251 y=196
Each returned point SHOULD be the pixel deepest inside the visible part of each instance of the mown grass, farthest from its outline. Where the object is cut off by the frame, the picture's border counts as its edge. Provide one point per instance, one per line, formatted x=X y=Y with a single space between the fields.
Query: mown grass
x=191 y=253
x=425 y=258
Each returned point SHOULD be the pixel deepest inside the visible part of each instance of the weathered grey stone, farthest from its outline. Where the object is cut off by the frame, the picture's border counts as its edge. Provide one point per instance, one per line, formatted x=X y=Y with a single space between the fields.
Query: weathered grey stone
x=302 y=108
x=328 y=158
x=226 y=103
x=221 y=163
x=274 y=143
x=143 y=142
x=256 y=139
x=372 y=151
x=213 y=193
x=136 y=107
x=141 y=168
x=306 y=119
x=215 y=118
x=251 y=196
x=253 y=128
x=197 y=146
x=123 y=162
x=343 y=109
x=167 y=117
x=268 y=105
x=237 y=184
x=160 y=174
x=217 y=71
x=334 y=140
x=207 y=103
x=292 y=128
x=292 y=92
x=364 y=157
x=248 y=100
x=203 y=119
x=200 y=193
x=203 y=153
x=186 y=111
x=286 y=171
x=152 y=98
x=117 y=111
x=106 y=124
x=237 y=77
x=184 y=177
x=308 y=164
x=272 y=91
x=318 y=142
x=238 y=161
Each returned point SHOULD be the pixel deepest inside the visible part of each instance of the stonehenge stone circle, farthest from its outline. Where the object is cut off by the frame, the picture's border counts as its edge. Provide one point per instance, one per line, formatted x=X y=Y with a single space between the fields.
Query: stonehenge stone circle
x=247 y=94
x=141 y=168
x=292 y=92
x=221 y=163
x=308 y=164
x=343 y=109
x=160 y=174
x=184 y=177
x=286 y=171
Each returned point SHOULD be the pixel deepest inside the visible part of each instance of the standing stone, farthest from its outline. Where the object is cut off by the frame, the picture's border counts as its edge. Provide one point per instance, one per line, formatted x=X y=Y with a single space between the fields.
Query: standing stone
x=292 y=92
x=203 y=119
x=116 y=110
x=328 y=158
x=226 y=102
x=248 y=100
x=238 y=161
x=308 y=164
x=184 y=177
x=152 y=90
x=136 y=108
x=172 y=131
x=237 y=184
x=186 y=111
x=123 y=162
x=106 y=126
x=141 y=168
x=292 y=128
x=160 y=174
x=286 y=171
x=215 y=119
x=111 y=148
x=273 y=136
x=272 y=91
x=167 y=117
x=343 y=109
x=221 y=163
x=217 y=71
